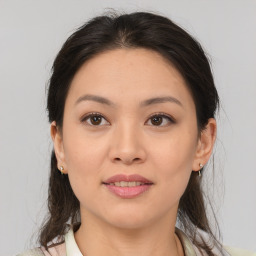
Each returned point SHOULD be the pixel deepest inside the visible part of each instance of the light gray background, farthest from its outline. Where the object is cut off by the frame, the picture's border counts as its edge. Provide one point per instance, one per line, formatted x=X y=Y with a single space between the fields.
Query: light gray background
x=31 y=33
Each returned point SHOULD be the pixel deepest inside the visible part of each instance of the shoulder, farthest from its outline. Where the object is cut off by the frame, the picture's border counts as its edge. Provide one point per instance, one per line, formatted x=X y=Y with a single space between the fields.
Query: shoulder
x=239 y=252
x=53 y=250
x=33 y=252
x=191 y=249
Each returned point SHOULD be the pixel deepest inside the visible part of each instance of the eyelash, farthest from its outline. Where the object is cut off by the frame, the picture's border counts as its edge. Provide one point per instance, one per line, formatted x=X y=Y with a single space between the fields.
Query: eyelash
x=163 y=115
x=92 y=115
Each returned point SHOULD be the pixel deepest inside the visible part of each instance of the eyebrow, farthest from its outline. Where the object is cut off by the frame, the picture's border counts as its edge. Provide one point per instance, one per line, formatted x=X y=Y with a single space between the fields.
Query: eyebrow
x=96 y=98
x=151 y=101
x=157 y=100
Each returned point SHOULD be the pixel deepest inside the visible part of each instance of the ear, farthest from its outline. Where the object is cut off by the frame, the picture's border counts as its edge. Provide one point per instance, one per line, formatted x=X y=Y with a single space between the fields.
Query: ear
x=58 y=146
x=205 y=144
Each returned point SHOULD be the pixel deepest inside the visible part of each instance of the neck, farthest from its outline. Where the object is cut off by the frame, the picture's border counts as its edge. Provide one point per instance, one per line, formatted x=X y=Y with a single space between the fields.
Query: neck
x=96 y=239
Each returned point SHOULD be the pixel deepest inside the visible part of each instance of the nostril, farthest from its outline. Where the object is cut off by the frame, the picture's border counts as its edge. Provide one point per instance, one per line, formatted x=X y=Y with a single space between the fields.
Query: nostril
x=127 y=160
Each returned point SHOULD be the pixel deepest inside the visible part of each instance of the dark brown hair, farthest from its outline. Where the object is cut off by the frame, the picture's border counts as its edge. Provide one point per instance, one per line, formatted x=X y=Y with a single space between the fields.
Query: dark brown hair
x=135 y=30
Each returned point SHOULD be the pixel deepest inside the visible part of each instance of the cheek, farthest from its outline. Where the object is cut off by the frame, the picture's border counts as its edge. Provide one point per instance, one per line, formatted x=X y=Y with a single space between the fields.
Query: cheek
x=84 y=163
x=175 y=153
x=82 y=151
x=174 y=159
x=84 y=157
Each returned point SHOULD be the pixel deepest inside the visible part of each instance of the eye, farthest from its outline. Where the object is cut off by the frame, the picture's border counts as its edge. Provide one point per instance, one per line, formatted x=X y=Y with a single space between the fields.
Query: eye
x=95 y=119
x=161 y=119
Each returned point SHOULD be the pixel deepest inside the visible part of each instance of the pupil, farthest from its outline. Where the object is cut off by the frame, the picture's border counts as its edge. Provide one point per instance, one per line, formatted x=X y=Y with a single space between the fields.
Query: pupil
x=157 y=120
x=96 y=119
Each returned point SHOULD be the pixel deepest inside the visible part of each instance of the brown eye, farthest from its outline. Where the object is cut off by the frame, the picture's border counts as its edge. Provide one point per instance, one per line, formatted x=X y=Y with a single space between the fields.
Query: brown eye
x=95 y=120
x=161 y=120
x=157 y=120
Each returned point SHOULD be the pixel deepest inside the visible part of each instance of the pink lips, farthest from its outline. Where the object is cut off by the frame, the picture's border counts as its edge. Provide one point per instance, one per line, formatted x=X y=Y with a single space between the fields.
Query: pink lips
x=128 y=192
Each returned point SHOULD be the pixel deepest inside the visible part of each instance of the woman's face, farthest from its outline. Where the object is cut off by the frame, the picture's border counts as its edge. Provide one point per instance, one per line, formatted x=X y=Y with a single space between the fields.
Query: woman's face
x=143 y=122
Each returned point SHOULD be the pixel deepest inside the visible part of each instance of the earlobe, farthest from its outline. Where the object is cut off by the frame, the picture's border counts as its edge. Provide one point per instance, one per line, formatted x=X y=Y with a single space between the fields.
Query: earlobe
x=58 y=146
x=205 y=144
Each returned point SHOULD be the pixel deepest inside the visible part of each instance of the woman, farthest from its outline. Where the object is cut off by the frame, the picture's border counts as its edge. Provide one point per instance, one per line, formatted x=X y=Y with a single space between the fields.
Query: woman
x=131 y=103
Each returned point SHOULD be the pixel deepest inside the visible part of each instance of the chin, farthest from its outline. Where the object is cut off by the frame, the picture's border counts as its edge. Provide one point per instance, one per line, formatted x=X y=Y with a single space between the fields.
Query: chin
x=129 y=225
x=130 y=220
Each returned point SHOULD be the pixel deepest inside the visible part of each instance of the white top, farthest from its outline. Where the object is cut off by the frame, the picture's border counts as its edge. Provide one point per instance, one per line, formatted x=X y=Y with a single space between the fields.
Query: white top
x=70 y=248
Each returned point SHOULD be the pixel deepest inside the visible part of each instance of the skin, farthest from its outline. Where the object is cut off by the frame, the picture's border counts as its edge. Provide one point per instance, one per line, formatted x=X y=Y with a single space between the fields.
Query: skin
x=128 y=141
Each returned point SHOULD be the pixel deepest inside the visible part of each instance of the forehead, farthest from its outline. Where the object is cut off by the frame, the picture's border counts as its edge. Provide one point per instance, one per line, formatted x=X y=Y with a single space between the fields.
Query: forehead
x=129 y=74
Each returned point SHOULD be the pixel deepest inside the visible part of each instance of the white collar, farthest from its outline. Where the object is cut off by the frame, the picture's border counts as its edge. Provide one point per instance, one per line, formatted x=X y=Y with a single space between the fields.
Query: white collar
x=73 y=250
x=71 y=245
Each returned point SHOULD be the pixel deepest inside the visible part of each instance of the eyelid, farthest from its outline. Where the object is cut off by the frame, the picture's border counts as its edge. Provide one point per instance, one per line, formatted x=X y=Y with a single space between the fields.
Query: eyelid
x=88 y=115
x=164 y=115
x=161 y=114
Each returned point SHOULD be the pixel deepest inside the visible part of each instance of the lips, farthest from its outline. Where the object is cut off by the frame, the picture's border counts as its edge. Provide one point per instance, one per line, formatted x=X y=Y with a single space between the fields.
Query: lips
x=127 y=187
x=127 y=178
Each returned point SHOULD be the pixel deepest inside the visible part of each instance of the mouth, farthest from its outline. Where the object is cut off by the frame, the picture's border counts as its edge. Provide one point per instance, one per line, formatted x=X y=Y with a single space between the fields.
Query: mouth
x=127 y=183
x=128 y=187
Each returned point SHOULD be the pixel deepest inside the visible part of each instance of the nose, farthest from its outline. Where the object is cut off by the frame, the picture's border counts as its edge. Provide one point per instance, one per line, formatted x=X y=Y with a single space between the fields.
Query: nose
x=127 y=145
